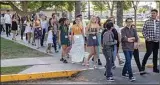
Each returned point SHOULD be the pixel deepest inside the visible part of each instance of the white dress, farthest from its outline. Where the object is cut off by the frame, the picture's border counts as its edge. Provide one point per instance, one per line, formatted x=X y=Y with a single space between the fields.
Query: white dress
x=77 y=51
x=28 y=28
x=50 y=37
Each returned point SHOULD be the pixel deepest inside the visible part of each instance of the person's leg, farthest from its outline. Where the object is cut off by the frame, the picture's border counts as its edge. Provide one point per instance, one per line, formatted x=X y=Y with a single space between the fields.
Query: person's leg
x=149 y=49
x=129 y=64
x=95 y=56
x=14 y=35
x=155 y=56
x=114 y=56
x=125 y=70
x=90 y=55
x=55 y=43
x=136 y=57
x=1 y=28
x=108 y=56
x=43 y=35
x=7 y=29
x=64 y=47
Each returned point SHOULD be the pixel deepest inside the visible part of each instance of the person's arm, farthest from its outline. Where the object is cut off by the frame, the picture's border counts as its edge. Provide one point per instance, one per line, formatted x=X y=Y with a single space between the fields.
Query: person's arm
x=72 y=35
x=136 y=36
x=123 y=36
x=59 y=36
x=144 y=30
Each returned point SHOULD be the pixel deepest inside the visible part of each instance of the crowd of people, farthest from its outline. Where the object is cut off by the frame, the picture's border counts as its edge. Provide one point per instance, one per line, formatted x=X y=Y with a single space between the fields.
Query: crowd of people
x=76 y=38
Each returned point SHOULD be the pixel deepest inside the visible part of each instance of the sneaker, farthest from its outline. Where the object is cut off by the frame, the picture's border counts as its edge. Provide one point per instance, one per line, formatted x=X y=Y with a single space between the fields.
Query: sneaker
x=110 y=79
x=142 y=73
x=56 y=51
x=65 y=61
x=121 y=62
x=61 y=59
x=113 y=67
x=156 y=70
x=132 y=79
x=125 y=75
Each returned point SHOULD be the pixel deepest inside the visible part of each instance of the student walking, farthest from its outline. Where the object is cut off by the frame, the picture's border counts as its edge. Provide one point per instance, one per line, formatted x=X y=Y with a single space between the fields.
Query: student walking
x=28 y=29
x=14 y=26
x=64 y=39
x=8 y=21
x=44 y=25
x=129 y=36
x=108 y=43
x=136 y=51
x=50 y=40
x=151 y=33
x=77 y=52
x=92 y=30
x=37 y=31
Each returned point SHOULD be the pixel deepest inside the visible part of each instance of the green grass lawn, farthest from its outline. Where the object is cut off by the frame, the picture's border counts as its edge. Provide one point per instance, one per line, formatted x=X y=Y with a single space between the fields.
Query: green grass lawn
x=10 y=49
x=12 y=70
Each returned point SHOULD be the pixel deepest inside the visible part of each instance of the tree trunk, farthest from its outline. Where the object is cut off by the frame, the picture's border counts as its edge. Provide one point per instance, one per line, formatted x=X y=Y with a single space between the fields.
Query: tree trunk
x=78 y=7
x=88 y=10
x=112 y=8
x=135 y=16
x=70 y=16
x=120 y=13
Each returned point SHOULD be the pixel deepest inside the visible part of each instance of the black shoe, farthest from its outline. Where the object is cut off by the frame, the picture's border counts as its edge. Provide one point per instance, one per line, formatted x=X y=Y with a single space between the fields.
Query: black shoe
x=156 y=70
x=61 y=59
x=99 y=62
x=56 y=51
x=142 y=73
x=65 y=61
x=92 y=59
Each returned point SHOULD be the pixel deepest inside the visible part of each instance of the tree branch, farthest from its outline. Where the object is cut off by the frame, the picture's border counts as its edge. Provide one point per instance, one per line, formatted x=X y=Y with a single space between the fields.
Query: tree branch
x=4 y=3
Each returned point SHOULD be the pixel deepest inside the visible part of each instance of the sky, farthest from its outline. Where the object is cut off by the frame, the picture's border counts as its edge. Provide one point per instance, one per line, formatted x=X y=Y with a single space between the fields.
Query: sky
x=153 y=4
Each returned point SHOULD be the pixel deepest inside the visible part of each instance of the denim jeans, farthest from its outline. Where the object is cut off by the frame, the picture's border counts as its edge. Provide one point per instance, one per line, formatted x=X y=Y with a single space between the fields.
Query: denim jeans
x=114 y=55
x=127 y=66
x=108 y=53
x=55 y=42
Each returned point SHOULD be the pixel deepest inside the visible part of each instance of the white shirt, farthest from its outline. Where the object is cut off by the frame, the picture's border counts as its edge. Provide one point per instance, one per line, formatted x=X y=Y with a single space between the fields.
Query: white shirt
x=2 y=19
x=44 y=24
x=117 y=28
x=7 y=18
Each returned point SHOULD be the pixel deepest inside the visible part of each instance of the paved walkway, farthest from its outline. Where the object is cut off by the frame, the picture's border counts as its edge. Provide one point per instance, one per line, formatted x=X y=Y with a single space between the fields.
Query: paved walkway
x=46 y=64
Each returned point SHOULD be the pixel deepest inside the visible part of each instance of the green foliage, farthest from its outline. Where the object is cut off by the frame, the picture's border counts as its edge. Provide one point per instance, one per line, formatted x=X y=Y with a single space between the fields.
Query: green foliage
x=141 y=10
x=99 y=6
x=84 y=6
x=127 y=5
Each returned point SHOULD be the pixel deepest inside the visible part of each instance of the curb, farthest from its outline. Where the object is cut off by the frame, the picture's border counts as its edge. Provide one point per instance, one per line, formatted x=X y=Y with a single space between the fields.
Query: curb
x=33 y=76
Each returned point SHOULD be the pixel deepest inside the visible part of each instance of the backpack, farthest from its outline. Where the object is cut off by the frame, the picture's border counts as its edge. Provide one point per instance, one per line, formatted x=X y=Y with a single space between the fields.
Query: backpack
x=108 y=39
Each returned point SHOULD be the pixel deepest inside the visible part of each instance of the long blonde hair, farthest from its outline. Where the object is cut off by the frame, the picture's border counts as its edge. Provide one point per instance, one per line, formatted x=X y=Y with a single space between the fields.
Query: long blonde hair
x=90 y=21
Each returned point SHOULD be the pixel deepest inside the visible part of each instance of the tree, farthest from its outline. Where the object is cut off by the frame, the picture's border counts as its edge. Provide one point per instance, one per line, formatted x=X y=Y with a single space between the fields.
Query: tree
x=28 y=7
x=120 y=13
x=135 y=4
x=78 y=8
x=111 y=6
x=99 y=6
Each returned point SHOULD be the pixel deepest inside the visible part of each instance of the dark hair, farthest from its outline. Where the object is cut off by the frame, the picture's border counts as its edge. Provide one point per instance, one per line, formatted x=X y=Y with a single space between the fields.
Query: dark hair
x=7 y=10
x=13 y=16
x=74 y=22
x=62 y=20
x=105 y=24
x=128 y=19
x=109 y=25
x=154 y=10
x=53 y=14
x=99 y=21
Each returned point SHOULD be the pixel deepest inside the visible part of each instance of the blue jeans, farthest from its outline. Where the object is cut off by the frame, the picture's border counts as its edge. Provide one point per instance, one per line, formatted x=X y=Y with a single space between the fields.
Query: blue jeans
x=114 y=55
x=108 y=53
x=127 y=67
x=55 y=42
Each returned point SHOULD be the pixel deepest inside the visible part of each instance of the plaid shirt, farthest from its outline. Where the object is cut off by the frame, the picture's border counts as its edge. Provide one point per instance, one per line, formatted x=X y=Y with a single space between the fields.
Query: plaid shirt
x=148 y=30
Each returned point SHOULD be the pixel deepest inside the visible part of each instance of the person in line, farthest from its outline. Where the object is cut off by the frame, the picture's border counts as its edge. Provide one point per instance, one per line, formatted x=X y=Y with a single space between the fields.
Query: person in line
x=118 y=38
x=50 y=40
x=54 y=24
x=8 y=21
x=14 y=26
x=92 y=30
x=44 y=25
x=108 y=43
x=136 y=51
x=77 y=52
x=2 y=23
x=128 y=38
x=28 y=29
x=37 y=31
x=151 y=33
x=64 y=39
x=23 y=26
